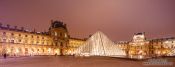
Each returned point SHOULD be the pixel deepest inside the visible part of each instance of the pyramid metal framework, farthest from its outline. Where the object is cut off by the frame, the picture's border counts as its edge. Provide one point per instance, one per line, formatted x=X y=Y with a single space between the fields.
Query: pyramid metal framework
x=99 y=45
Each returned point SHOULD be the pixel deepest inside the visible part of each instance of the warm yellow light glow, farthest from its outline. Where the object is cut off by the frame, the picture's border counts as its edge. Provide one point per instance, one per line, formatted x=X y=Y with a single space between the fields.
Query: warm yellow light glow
x=140 y=57
x=49 y=50
x=17 y=51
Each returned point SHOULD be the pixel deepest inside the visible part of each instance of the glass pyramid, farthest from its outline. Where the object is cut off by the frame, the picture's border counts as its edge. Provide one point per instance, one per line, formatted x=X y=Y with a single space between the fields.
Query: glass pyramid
x=99 y=45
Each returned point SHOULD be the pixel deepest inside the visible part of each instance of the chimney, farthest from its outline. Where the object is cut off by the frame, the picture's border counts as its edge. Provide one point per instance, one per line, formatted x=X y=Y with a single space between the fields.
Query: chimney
x=8 y=26
x=34 y=30
x=51 y=21
x=15 y=27
x=65 y=25
x=22 y=28
x=90 y=35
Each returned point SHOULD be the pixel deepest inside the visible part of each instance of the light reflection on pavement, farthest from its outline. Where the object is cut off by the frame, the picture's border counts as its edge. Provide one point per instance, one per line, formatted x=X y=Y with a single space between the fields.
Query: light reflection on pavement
x=68 y=61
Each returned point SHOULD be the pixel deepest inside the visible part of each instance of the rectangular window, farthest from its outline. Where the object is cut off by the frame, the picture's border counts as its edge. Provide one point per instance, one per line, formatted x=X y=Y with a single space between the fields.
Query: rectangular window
x=37 y=42
x=4 y=33
x=25 y=35
x=12 y=41
x=32 y=42
x=19 y=40
x=37 y=36
x=4 y=40
x=26 y=41
x=60 y=34
x=12 y=34
x=19 y=34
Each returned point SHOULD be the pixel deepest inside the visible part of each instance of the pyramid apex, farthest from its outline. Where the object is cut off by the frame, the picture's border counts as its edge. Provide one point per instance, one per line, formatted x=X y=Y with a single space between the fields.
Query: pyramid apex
x=99 y=32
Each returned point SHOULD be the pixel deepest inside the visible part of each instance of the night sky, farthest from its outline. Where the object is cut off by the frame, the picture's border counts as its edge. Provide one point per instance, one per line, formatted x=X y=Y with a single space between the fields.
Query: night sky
x=118 y=19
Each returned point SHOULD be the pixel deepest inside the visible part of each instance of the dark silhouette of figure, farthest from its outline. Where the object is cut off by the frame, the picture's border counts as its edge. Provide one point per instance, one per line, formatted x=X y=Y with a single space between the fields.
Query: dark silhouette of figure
x=56 y=54
x=5 y=56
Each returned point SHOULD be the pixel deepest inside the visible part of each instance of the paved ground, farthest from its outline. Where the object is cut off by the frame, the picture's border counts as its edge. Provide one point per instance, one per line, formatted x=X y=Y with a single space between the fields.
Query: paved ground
x=62 y=61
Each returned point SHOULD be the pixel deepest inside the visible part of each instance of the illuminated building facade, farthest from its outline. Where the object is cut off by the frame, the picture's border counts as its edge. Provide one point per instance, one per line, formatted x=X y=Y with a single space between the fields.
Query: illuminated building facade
x=21 y=42
x=140 y=47
x=74 y=43
x=59 y=33
x=162 y=47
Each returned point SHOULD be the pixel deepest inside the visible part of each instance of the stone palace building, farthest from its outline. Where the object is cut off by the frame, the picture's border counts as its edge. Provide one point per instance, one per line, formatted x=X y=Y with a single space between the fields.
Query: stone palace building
x=16 y=41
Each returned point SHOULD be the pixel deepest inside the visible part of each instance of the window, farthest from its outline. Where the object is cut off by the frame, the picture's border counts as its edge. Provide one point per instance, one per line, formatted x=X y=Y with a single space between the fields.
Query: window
x=56 y=43
x=4 y=40
x=12 y=34
x=12 y=41
x=37 y=36
x=25 y=35
x=19 y=40
x=61 y=44
x=43 y=50
x=4 y=33
x=37 y=42
x=61 y=34
x=32 y=42
x=65 y=35
x=19 y=34
x=26 y=41
x=19 y=49
x=32 y=50
x=32 y=36
x=56 y=34
x=26 y=50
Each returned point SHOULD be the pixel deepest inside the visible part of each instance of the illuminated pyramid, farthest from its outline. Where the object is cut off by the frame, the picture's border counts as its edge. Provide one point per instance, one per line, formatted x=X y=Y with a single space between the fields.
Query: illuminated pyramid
x=99 y=45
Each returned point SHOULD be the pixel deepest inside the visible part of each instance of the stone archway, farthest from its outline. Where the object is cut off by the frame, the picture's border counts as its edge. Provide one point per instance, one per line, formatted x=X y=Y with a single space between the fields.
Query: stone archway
x=12 y=51
x=19 y=51
x=26 y=51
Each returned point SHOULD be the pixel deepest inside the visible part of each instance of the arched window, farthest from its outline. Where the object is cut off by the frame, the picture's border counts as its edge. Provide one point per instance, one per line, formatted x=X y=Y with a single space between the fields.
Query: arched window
x=56 y=34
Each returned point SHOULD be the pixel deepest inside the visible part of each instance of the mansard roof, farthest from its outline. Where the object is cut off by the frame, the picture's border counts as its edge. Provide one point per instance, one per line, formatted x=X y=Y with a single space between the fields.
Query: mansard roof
x=22 y=29
x=57 y=24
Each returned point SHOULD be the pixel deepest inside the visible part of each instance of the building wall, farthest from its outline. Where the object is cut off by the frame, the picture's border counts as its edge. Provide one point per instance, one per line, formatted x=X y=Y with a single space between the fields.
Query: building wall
x=163 y=47
x=140 y=47
x=74 y=43
x=19 y=43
